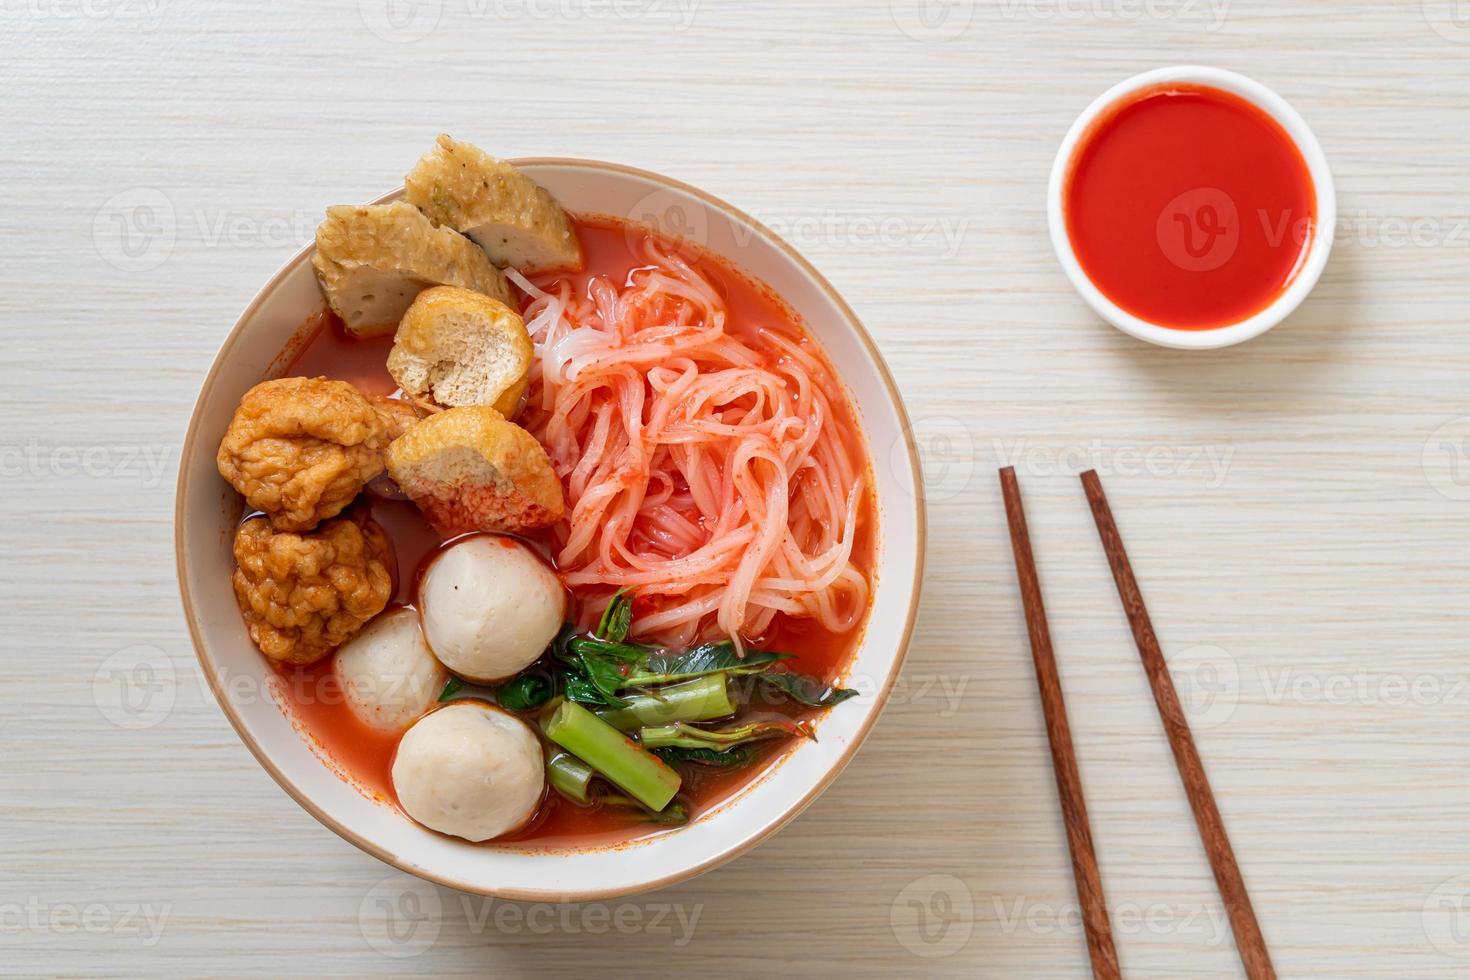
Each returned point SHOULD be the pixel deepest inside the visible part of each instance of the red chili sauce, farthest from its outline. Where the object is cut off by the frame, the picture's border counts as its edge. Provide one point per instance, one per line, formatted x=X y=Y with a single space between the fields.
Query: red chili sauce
x=1189 y=207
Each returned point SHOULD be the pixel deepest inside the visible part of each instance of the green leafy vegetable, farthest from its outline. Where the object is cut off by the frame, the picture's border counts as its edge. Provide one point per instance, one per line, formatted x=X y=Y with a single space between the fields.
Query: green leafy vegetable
x=805 y=690
x=607 y=676
x=665 y=666
x=560 y=647
x=616 y=666
x=617 y=618
x=618 y=650
x=530 y=690
x=593 y=670
x=591 y=682
x=577 y=687
x=452 y=688
x=728 y=759
x=676 y=814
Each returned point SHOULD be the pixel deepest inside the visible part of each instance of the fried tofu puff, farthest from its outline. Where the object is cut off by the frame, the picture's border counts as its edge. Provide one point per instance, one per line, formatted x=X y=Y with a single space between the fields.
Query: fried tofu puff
x=371 y=261
x=460 y=348
x=468 y=469
x=300 y=449
x=302 y=595
x=516 y=221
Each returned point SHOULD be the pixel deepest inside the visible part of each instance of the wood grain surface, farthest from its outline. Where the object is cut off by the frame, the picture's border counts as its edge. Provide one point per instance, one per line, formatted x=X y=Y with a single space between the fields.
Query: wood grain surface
x=1295 y=508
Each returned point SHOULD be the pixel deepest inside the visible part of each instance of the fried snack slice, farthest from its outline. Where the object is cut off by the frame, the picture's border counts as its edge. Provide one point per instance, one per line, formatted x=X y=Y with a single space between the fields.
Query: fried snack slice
x=303 y=595
x=300 y=449
x=515 y=220
x=374 y=259
x=468 y=469
x=460 y=348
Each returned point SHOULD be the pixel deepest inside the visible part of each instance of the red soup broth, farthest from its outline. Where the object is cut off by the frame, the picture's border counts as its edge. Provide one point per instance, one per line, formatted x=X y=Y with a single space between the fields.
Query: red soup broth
x=364 y=756
x=1189 y=207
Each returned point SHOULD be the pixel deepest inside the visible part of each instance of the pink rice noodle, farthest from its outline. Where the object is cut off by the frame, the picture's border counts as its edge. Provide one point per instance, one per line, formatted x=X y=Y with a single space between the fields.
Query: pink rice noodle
x=702 y=469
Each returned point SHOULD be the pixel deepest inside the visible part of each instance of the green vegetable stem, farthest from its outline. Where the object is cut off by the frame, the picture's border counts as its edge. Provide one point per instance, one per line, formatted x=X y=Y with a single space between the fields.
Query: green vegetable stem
x=701 y=699
x=571 y=777
x=684 y=736
x=614 y=755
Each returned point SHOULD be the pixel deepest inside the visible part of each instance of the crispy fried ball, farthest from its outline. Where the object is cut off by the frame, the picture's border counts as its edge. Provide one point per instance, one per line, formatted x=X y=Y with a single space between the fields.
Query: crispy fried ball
x=302 y=595
x=300 y=449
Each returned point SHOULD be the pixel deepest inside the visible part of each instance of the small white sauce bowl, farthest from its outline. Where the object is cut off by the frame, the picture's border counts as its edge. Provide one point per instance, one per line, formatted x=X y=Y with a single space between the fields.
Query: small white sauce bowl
x=1323 y=229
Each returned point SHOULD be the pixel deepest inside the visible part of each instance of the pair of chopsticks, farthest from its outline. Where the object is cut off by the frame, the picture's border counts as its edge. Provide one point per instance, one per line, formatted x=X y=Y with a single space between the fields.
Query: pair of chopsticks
x=1248 y=940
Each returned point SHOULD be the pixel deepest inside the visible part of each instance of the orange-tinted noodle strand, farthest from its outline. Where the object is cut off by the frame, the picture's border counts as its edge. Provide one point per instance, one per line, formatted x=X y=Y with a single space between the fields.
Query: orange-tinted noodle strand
x=702 y=466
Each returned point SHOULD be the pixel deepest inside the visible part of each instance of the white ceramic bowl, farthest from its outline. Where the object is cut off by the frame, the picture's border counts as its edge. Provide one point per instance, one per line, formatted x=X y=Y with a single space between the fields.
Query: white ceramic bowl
x=205 y=517
x=1317 y=250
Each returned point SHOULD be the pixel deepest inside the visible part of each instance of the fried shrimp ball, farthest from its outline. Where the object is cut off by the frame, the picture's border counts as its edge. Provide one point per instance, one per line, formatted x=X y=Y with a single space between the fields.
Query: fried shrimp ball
x=300 y=449
x=302 y=595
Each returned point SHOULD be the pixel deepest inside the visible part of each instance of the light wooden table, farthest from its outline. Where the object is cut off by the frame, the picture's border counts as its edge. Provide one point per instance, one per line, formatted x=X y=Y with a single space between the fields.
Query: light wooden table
x=1296 y=508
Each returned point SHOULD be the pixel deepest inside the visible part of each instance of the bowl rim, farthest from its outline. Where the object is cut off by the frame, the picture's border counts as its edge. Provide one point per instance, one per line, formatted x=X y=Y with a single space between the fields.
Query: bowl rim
x=1318 y=172
x=304 y=800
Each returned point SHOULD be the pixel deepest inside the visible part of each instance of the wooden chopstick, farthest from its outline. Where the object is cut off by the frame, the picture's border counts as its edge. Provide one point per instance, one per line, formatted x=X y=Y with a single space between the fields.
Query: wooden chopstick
x=1059 y=734
x=1248 y=940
